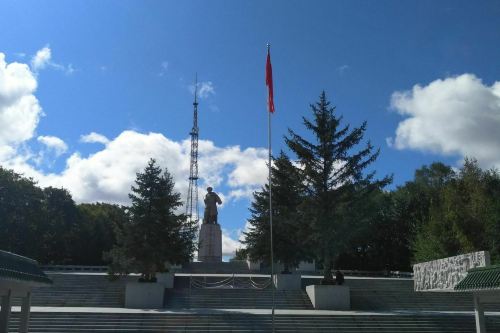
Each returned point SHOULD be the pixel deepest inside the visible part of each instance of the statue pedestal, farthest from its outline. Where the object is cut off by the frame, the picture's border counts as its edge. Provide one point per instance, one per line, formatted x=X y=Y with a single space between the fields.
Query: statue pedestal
x=210 y=243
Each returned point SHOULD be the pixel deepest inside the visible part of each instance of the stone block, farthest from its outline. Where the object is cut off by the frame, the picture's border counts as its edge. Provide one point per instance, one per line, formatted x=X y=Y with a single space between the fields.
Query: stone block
x=329 y=297
x=287 y=281
x=167 y=279
x=444 y=274
x=210 y=243
x=144 y=295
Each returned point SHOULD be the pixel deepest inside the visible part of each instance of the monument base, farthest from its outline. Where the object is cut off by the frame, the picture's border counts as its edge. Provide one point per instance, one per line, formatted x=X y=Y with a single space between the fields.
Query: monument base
x=210 y=243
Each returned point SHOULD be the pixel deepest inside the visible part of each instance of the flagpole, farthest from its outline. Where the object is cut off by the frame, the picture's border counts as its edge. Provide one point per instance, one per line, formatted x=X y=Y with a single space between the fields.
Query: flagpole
x=273 y=287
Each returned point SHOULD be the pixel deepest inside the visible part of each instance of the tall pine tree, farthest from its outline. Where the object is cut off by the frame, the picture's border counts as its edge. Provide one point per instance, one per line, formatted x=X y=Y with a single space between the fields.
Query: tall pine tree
x=288 y=235
x=334 y=176
x=155 y=234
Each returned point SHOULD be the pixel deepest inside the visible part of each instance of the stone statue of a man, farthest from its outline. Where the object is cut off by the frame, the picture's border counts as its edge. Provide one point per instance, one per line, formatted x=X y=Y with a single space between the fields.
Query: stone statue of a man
x=211 y=201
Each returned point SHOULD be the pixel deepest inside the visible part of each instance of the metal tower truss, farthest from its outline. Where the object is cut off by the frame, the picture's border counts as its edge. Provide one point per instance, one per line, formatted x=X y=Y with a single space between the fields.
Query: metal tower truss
x=192 y=209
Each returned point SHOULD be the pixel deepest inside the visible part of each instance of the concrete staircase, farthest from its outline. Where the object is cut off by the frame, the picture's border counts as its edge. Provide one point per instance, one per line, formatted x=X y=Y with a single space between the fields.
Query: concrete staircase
x=398 y=294
x=247 y=322
x=200 y=310
x=83 y=290
x=235 y=299
x=367 y=294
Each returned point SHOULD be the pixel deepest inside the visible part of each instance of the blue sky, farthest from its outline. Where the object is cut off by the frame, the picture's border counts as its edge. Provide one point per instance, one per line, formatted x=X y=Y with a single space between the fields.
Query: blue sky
x=422 y=73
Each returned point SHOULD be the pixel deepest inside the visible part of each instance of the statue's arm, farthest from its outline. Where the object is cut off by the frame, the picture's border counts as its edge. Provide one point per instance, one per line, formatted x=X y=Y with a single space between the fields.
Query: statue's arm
x=219 y=201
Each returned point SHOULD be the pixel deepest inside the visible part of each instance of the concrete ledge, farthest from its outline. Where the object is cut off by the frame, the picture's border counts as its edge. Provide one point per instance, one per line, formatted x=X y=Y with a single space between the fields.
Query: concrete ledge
x=166 y=279
x=329 y=297
x=287 y=281
x=144 y=295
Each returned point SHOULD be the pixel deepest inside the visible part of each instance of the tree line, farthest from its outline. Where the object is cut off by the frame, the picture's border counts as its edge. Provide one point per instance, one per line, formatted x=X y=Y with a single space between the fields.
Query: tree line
x=329 y=206
x=47 y=225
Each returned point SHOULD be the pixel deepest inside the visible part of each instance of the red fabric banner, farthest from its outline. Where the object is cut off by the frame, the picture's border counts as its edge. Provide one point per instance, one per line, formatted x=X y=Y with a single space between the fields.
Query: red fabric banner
x=269 y=83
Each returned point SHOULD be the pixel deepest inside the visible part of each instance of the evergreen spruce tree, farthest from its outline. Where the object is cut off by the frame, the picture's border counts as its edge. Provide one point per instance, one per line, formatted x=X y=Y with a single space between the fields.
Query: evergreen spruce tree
x=288 y=238
x=155 y=234
x=334 y=176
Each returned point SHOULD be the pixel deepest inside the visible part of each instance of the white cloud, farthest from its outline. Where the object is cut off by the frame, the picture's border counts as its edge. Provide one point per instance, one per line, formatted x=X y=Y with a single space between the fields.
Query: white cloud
x=94 y=137
x=241 y=232
x=242 y=193
x=20 y=111
x=342 y=69
x=245 y=169
x=229 y=245
x=67 y=69
x=205 y=89
x=54 y=143
x=163 y=68
x=41 y=59
x=455 y=116
x=108 y=174
x=251 y=168
x=389 y=142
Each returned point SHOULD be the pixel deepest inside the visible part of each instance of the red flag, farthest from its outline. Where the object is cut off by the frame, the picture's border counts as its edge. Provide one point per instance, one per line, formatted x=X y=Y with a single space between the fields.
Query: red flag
x=269 y=83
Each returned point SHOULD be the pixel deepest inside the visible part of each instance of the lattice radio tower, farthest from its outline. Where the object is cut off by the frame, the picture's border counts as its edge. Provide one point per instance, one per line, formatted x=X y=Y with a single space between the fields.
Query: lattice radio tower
x=192 y=210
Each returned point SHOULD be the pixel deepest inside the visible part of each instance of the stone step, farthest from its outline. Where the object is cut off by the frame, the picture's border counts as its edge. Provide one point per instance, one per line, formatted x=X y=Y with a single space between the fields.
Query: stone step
x=87 y=290
x=95 y=290
x=236 y=298
x=245 y=322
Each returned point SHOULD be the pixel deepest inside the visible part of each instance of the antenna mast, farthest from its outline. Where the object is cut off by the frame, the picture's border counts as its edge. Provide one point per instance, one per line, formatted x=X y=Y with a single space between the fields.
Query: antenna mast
x=192 y=210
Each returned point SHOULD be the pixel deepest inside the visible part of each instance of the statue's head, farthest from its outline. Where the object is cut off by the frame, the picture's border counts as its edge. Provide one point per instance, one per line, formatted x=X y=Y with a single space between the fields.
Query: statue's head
x=209 y=189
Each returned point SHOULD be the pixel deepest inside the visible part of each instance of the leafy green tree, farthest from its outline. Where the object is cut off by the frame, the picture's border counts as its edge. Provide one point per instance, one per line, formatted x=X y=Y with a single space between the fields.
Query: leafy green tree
x=60 y=227
x=398 y=215
x=465 y=218
x=36 y=223
x=288 y=227
x=21 y=214
x=334 y=176
x=155 y=233
x=383 y=237
x=425 y=191
x=96 y=231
